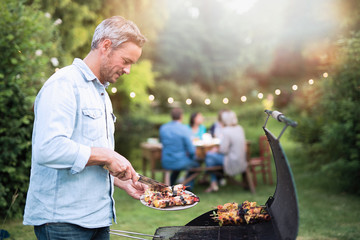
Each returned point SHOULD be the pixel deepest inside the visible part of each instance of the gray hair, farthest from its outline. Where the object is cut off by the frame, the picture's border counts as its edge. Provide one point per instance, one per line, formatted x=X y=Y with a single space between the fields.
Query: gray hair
x=229 y=118
x=118 y=30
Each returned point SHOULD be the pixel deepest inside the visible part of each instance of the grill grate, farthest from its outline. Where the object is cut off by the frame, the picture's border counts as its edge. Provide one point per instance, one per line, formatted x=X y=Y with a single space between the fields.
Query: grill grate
x=251 y=232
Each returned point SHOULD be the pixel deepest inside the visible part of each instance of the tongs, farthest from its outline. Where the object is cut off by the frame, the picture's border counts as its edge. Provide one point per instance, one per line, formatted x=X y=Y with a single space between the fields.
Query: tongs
x=121 y=233
x=151 y=182
x=148 y=181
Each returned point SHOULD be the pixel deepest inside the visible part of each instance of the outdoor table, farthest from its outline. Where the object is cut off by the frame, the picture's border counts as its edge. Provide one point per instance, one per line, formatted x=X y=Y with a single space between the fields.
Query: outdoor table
x=202 y=147
x=151 y=153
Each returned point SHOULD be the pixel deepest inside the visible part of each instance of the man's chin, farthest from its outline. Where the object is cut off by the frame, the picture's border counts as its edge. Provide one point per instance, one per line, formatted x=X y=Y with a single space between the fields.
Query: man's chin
x=111 y=80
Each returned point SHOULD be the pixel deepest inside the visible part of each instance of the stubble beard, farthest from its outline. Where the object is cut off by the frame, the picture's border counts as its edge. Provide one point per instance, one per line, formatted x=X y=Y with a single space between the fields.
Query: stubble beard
x=105 y=73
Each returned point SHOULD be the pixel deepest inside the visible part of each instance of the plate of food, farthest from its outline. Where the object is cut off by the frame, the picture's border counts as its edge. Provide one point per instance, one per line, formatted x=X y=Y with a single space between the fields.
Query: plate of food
x=171 y=198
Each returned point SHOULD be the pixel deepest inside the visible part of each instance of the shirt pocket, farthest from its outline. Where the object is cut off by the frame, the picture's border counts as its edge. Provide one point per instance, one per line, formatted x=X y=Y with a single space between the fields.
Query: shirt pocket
x=93 y=123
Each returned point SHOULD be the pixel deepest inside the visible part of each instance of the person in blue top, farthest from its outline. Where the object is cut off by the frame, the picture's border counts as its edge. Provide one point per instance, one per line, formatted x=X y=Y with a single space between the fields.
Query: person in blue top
x=178 y=152
x=196 y=126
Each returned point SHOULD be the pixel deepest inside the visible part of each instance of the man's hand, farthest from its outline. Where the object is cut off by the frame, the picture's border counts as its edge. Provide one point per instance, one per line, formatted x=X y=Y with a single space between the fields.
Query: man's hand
x=117 y=165
x=134 y=189
x=121 y=168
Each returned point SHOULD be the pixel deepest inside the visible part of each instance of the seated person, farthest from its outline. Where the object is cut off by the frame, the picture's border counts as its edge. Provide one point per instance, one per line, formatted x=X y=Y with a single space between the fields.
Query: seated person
x=196 y=126
x=178 y=152
x=232 y=150
x=215 y=129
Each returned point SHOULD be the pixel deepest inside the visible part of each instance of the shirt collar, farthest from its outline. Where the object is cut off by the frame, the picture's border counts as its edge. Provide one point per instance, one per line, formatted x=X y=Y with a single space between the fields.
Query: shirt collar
x=88 y=74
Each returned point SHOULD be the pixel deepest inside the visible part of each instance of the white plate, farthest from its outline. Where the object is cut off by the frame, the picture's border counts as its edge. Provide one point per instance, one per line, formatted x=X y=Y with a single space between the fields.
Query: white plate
x=174 y=208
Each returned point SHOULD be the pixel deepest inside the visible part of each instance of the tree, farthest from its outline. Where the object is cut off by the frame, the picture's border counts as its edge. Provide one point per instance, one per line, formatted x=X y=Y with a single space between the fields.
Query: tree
x=329 y=124
x=27 y=40
x=76 y=21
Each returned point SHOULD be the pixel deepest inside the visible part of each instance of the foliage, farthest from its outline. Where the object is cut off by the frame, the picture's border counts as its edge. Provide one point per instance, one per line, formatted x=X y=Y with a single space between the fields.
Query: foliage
x=26 y=39
x=189 y=50
x=331 y=130
x=132 y=130
x=149 y=15
x=140 y=79
x=76 y=21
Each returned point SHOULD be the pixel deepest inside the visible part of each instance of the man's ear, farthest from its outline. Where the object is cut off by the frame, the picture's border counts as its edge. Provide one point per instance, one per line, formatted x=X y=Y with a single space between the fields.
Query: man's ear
x=106 y=45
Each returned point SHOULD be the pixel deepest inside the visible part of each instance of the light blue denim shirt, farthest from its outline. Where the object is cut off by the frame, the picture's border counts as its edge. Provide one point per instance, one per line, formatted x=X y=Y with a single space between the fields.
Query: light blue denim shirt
x=73 y=112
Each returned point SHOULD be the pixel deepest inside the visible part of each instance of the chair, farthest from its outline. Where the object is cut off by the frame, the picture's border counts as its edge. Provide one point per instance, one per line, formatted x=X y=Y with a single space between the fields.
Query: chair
x=262 y=163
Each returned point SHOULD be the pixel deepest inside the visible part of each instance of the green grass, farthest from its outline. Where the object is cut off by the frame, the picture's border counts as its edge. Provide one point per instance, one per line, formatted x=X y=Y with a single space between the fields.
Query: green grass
x=324 y=214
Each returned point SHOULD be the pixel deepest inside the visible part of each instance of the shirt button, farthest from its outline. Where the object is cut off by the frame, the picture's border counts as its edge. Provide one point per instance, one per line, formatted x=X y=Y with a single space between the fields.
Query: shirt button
x=102 y=94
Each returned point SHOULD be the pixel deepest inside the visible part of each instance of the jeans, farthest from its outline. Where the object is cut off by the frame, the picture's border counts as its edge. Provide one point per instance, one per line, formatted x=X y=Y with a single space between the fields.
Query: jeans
x=214 y=159
x=67 y=231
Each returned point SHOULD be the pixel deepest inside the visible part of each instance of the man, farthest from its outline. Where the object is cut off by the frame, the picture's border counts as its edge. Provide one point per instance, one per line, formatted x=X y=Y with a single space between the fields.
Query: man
x=178 y=151
x=74 y=167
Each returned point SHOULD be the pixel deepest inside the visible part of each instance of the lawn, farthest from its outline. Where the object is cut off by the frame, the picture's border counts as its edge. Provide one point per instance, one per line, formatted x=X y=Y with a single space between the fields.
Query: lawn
x=323 y=214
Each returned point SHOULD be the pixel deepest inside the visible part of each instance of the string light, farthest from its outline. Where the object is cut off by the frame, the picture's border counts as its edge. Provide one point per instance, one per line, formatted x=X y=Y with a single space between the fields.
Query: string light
x=226 y=100
x=113 y=90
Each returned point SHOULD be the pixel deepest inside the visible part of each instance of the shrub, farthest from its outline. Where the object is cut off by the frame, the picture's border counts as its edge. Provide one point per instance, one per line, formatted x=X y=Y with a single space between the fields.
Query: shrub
x=330 y=128
x=131 y=130
x=25 y=40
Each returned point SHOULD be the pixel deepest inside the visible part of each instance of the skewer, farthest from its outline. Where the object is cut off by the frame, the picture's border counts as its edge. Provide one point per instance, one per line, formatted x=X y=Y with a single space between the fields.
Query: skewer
x=118 y=233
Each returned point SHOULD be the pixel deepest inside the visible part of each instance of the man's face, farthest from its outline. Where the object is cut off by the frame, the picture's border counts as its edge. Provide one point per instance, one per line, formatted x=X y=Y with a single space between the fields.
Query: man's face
x=118 y=62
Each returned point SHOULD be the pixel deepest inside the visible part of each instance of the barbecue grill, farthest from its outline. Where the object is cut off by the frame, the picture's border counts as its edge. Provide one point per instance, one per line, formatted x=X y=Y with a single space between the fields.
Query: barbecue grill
x=282 y=206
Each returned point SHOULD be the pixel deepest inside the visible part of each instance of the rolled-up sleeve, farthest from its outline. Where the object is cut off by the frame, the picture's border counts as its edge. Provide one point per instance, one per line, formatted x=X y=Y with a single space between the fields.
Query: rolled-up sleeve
x=55 y=117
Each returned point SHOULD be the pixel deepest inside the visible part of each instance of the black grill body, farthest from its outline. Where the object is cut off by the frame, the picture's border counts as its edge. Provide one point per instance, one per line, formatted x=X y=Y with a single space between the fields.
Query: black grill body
x=282 y=207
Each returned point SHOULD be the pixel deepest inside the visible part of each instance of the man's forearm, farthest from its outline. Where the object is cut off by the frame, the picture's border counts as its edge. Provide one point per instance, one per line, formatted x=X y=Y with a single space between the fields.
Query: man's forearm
x=117 y=165
x=99 y=156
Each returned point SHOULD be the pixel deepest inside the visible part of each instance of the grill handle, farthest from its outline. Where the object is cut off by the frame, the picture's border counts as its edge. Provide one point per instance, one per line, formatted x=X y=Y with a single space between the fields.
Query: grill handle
x=281 y=118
